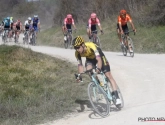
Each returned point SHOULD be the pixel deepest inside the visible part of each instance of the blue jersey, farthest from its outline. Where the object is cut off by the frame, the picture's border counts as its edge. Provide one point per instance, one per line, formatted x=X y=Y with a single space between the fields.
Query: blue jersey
x=35 y=22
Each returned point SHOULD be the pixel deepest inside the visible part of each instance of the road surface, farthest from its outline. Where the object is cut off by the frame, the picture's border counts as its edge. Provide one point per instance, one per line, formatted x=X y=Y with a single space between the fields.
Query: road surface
x=142 y=83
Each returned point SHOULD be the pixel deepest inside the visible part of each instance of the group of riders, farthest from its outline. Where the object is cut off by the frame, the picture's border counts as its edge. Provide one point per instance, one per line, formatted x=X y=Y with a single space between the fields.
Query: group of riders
x=14 y=28
x=93 y=21
x=93 y=53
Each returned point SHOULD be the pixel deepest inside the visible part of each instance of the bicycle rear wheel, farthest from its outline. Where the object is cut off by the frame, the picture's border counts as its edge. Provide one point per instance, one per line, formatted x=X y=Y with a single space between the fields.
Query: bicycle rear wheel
x=98 y=99
x=114 y=98
x=121 y=97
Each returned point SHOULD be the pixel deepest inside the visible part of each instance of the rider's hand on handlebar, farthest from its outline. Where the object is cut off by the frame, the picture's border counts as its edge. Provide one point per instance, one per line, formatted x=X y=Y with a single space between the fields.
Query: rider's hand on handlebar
x=102 y=32
x=98 y=70
x=78 y=78
x=75 y=30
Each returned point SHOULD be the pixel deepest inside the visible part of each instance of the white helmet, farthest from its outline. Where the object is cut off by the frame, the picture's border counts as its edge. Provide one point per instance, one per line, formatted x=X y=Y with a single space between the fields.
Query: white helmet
x=36 y=16
x=29 y=18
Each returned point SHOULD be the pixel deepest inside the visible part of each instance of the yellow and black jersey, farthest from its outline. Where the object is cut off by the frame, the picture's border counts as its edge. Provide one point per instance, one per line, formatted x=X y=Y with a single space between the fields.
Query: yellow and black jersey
x=91 y=52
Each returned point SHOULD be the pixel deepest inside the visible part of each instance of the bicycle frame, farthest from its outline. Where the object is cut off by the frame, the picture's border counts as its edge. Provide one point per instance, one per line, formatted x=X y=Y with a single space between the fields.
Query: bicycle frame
x=94 y=35
x=94 y=79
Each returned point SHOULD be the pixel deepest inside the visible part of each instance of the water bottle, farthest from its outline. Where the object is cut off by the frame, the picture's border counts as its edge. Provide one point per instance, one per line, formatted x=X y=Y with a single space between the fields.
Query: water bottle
x=100 y=79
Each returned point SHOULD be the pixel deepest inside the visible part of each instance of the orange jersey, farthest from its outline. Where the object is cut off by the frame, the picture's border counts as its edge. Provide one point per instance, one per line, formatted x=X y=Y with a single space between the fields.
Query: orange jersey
x=123 y=21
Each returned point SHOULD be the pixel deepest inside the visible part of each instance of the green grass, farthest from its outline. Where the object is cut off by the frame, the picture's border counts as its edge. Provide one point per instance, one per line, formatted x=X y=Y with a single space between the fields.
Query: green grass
x=147 y=39
x=35 y=88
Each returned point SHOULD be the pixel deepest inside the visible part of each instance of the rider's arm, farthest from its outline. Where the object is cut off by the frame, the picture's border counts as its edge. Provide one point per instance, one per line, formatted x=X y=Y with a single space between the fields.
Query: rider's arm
x=132 y=25
x=73 y=24
x=79 y=61
x=97 y=55
x=99 y=24
x=89 y=25
x=38 y=24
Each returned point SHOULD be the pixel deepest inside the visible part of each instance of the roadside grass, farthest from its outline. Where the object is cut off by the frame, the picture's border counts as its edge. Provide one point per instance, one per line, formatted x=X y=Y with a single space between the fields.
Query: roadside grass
x=35 y=88
x=149 y=39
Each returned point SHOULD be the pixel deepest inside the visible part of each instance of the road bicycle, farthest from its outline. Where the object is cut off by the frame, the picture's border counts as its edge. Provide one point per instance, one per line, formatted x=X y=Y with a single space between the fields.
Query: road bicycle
x=26 y=37
x=101 y=95
x=125 y=37
x=95 y=38
x=68 y=39
x=33 y=39
x=5 y=35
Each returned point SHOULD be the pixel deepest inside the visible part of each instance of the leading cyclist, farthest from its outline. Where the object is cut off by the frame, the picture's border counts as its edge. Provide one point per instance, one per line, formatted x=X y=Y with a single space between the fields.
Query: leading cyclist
x=94 y=56
x=91 y=26
x=122 y=26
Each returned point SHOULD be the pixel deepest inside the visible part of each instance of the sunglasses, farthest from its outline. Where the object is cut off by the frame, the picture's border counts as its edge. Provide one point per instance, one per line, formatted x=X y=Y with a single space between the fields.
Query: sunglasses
x=77 y=47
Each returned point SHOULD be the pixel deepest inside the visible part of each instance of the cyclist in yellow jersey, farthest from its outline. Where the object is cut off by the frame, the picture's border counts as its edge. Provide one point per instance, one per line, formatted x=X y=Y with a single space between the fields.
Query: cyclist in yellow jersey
x=94 y=56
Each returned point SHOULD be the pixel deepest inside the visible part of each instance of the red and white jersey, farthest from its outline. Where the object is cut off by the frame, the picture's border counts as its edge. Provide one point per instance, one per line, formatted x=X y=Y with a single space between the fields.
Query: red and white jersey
x=93 y=22
x=68 y=21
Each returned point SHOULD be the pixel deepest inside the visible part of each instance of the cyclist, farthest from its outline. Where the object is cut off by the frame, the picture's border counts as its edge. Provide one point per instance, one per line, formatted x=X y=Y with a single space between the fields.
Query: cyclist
x=94 y=56
x=17 y=27
x=11 y=31
x=67 y=24
x=36 y=24
x=6 y=23
x=28 y=27
x=122 y=26
x=91 y=26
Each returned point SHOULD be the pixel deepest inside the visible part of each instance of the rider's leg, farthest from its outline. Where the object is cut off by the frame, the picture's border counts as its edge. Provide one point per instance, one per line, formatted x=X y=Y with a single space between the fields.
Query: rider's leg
x=119 y=34
x=88 y=33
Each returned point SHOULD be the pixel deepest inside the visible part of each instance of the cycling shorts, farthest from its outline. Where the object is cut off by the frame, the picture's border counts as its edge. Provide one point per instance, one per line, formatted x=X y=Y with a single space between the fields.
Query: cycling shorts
x=35 y=28
x=105 y=64
x=93 y=27
x=124 y=28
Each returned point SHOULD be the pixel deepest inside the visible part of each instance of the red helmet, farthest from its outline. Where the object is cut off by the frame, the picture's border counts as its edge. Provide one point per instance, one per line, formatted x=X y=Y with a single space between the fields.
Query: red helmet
x=93 y=15
x=123 y=12
x=69 y=16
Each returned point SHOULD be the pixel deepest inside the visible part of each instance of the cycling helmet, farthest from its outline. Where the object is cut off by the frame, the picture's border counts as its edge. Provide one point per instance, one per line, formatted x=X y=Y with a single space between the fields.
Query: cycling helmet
x=11 y=18
x=35 y=16
x=8 y=18
x=123 y=12
x=93 y=15
x=29 y=18
x=78 y=41
x=69 y=16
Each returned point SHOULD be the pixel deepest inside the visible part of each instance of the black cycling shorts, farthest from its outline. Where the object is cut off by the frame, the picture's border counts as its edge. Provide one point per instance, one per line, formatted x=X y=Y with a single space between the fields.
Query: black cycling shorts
x=93 y=27
x=105 y=64
x=124 y=28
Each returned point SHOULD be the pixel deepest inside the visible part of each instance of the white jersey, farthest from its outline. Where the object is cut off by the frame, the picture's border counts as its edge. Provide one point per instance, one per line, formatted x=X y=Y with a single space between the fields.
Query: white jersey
x=27 y=24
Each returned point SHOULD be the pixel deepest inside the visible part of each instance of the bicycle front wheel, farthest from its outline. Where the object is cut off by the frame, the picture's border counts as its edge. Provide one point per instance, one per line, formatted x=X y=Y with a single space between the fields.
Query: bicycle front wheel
x=132 y=47
x=98 y=99
x=97 y=40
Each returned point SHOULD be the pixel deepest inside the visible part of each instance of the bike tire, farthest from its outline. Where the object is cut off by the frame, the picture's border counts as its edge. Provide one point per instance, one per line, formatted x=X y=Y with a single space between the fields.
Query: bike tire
x=96 y=94
x=114 y=98
x=124 y=50
x=131 y=42
x=121 y=97
x=66 y=44
x=70 y=41
x=97 y=41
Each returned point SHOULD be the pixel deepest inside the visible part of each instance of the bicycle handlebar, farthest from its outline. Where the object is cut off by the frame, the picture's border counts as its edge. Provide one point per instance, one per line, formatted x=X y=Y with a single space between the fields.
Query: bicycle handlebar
x=129 y=32
x=78 y=76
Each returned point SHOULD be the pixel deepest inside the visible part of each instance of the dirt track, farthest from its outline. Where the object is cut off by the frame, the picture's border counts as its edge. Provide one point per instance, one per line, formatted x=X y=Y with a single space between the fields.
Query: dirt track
x=141 y=80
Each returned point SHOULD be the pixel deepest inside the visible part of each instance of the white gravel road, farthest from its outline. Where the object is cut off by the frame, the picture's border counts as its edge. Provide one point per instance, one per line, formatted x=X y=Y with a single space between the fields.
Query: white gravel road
x=142 y=83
